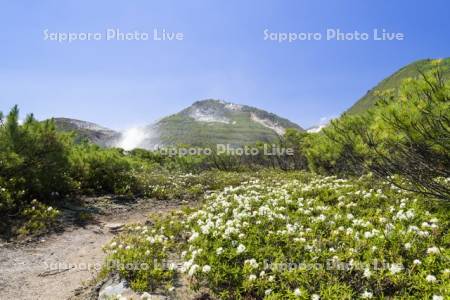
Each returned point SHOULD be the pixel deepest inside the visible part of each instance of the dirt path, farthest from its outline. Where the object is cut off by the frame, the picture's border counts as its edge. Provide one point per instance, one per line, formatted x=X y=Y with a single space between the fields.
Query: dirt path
x=57 y=265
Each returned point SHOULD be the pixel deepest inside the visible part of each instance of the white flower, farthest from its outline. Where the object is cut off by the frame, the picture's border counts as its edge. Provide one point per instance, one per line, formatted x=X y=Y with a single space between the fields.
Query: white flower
x=417 y=262
x=395 y=268
x=425 y=225
x=206 y=269
x=408 y=246
x=267 y=292
x=368 y=234
x=410 y=214
x=315 y=297
x=193 y=236
x=433 y=250
x=252 y=277
x=49 y=208
x=192 y=270
x=436 y=297
x=219 y=250
x=366 y=295
x=252 y=262
x=297 y=292
x=431 y=278
x=186 y=266
x=367 y=273
x=241 y=248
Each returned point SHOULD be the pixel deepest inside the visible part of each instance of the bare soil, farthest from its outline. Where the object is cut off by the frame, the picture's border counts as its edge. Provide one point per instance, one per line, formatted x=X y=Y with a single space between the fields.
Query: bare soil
x=63 y=265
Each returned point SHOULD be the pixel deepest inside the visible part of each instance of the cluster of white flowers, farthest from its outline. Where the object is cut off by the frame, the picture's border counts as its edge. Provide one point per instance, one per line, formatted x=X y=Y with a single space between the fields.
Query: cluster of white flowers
x=320 y=220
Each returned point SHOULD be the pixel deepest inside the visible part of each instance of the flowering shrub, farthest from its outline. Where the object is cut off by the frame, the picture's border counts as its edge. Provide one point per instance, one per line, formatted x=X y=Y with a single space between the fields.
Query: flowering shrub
x=39 y=218
x=298 y=236
x=6 y=197
x=141 y=254
x=165 y=185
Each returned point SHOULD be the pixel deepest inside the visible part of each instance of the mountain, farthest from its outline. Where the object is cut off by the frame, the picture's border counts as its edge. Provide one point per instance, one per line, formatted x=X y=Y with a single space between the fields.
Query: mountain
x=394 y=81
x=210 y=122
x=86 y=130
x=204 y=123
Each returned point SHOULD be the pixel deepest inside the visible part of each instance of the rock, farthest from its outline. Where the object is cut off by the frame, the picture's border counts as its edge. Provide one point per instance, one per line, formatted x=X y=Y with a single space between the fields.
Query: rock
x=147 y=296
x=114 y=227
x=116 y=289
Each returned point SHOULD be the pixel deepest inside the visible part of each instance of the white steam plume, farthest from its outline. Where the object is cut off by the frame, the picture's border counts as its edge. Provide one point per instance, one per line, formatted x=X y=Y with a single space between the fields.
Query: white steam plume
x=135 y=137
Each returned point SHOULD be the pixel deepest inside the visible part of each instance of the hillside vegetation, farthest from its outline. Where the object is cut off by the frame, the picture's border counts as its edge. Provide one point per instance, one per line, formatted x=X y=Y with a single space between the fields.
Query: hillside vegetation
x=211 y=122
x=407 y=134
x=360 y=211
x=394 y=81
x=86 y=131
x=294 y=236
x=204 y=123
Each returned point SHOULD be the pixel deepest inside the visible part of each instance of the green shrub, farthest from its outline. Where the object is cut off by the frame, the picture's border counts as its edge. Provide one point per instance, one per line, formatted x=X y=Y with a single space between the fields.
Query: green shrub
x=406 y=134
x=39 y=217
x=100 y=171
x=7 y=201
x=33 y=161
x=144 y=262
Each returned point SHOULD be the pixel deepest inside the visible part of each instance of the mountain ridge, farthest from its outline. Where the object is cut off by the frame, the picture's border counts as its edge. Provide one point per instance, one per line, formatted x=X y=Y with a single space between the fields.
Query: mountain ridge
x=394 y=80
x=203 y=123
x=212 y=121
x=85 y=130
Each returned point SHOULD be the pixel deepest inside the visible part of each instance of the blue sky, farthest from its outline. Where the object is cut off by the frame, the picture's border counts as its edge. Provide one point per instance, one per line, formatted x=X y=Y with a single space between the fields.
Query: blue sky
x=223 y=55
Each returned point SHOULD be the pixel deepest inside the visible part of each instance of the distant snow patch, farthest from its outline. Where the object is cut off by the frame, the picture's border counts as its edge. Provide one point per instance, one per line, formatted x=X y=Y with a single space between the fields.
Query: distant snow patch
x=269 y=124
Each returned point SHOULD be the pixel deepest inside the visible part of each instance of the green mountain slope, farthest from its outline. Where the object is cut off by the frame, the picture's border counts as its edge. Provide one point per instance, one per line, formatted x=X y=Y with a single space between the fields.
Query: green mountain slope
x=394 y=81
x=210 y=122
x=86 y=130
